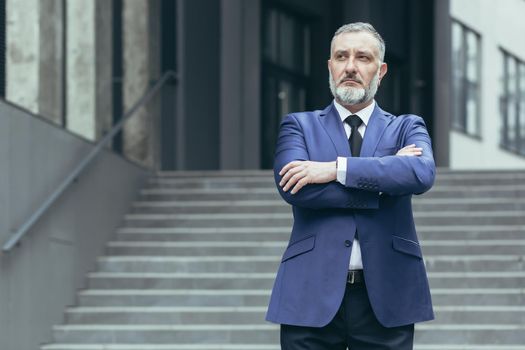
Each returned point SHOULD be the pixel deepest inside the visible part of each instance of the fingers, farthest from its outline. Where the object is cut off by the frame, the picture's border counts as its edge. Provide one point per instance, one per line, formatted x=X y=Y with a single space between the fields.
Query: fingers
x=293 y=172
x=289 y=166
x=294 y=180
x=410 y=150
x=290 y=171
x=300 y=184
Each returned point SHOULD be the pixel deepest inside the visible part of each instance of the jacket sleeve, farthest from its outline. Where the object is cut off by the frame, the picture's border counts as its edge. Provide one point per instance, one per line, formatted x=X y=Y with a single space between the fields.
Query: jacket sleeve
x=291 y=146
x=396 y=175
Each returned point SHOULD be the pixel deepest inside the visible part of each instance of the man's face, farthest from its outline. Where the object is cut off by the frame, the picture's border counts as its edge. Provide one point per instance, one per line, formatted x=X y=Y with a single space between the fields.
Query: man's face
x=355 y=68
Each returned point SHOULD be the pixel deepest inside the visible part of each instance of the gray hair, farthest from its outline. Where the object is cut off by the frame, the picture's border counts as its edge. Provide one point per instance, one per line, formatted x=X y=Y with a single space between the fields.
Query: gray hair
x=362 y=27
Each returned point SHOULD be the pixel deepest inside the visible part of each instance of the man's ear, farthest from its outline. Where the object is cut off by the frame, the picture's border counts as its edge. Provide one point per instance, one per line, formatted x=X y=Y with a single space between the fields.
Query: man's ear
x=382 y=70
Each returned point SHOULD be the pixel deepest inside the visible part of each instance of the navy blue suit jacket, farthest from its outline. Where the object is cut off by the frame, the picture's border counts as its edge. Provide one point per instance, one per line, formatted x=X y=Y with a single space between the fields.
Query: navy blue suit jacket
x=376 y=201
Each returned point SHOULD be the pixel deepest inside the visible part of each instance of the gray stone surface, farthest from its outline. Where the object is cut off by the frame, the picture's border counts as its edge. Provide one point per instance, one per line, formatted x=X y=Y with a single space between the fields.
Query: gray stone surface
x=139 y=57
x=51 y=60
x=81 y=69
x=196 y=258
x=39 y=277
x=22 y=53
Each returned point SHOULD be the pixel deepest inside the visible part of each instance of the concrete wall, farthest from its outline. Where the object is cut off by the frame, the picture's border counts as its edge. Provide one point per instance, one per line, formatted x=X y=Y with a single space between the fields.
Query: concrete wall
x=141 y=68
x=40 y=277
x=88 y=76
x=500 y=26
x=51 y=53
x=22 y=53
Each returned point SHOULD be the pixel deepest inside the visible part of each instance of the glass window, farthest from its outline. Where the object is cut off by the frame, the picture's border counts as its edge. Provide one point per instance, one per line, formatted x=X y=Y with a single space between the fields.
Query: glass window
x=512 y=102
x=466 y=63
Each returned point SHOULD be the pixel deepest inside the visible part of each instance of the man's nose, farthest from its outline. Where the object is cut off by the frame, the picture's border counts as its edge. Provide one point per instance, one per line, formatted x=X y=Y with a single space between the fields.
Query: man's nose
x=350 y=66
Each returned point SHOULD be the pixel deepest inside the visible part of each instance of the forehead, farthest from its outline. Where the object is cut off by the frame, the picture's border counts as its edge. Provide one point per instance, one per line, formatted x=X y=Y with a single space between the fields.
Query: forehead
x=355 y=41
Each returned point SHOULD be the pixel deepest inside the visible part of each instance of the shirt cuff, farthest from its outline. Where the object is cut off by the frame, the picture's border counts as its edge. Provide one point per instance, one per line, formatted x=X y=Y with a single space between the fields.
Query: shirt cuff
x=341 y=170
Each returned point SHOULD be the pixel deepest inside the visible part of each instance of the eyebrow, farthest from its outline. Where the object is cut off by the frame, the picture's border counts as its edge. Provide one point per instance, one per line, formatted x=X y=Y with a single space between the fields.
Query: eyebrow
x=360 y=51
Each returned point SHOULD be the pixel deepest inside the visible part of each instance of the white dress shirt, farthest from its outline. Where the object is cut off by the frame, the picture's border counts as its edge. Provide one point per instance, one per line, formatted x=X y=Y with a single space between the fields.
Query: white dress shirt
x=356 y=262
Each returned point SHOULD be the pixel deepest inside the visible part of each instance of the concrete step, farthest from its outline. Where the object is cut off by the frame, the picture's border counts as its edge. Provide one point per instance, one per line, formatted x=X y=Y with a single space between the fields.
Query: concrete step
x=240 y=298
x=203 y=194
x=158 y=261
x=249 y=347
x=136 y=280
x=167 y=315
x=174 y=297
x=261 y=234
x=480 y=191
x=213 y=174
x=443 y=177
x=479 y=314
x=203 y=207
x=258 y=248
x=263 y=334
x=441 y=218
x=420 y=204
x=270 y=193
x=478 y=296
x=192 y=266
x=441 y=173
x=102 y=280
x=225 y=346
x=159 y=334
x=267 y=181
x=206 y=248
x=472 y=334
x=492 y=279
x=194 y=346
x=255 y=315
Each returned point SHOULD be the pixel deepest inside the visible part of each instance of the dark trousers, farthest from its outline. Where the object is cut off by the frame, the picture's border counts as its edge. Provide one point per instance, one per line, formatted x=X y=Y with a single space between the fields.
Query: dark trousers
x=354 y=327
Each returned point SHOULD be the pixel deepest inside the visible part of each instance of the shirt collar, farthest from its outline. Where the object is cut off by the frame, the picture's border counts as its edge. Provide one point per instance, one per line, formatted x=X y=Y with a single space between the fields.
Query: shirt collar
x=364 y=114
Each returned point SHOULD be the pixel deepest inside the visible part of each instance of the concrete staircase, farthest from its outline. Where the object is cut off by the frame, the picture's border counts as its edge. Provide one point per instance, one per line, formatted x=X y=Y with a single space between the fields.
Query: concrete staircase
x=192 y=266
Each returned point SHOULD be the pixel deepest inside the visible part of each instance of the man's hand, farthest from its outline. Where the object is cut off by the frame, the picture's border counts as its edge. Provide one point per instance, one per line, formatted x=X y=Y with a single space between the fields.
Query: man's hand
x=298 y=174
x=410 y=150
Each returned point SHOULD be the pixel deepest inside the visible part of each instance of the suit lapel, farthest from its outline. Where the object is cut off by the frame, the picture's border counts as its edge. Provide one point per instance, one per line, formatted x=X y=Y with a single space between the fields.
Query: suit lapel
x=333 y=126
x=374 y=131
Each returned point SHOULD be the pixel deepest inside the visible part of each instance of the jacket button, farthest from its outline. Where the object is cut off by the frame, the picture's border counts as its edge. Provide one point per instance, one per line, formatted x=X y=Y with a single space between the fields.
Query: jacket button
x=348 y=243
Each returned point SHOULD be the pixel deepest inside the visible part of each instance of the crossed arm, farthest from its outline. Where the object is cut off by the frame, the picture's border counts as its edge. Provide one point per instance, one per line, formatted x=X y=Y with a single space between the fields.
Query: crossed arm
x=311 y=184
x=297 y=174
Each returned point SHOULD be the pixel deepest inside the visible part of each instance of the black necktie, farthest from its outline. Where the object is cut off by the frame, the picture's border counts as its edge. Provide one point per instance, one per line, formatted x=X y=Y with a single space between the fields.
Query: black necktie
x=355 y=139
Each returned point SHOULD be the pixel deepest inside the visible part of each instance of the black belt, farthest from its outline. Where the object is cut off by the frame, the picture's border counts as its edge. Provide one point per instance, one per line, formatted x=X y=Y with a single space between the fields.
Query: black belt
x=355 y=277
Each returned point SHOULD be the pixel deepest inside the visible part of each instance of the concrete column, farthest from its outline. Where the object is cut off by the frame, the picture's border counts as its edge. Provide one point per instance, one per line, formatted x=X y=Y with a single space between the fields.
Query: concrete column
x=89 y=67
x=240 y=84
x=103 y=66
x=22 y=58
x=442 y=83
x=51 y=57
x=140 y=60
x=81 y=68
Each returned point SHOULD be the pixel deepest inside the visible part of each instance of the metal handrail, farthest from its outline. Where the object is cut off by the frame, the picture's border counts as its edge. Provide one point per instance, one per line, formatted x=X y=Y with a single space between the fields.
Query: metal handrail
x=24 y=228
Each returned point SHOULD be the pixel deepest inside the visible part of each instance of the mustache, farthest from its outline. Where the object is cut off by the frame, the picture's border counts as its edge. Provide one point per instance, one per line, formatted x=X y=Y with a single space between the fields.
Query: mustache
x=351 y=77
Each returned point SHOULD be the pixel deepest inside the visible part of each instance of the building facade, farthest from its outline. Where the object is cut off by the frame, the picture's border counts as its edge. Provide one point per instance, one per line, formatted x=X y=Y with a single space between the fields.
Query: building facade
x=241 y=65
x=488 y=80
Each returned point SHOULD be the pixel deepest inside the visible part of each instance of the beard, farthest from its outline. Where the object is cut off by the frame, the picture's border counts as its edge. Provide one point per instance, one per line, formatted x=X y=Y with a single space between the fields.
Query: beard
x=348 y=95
